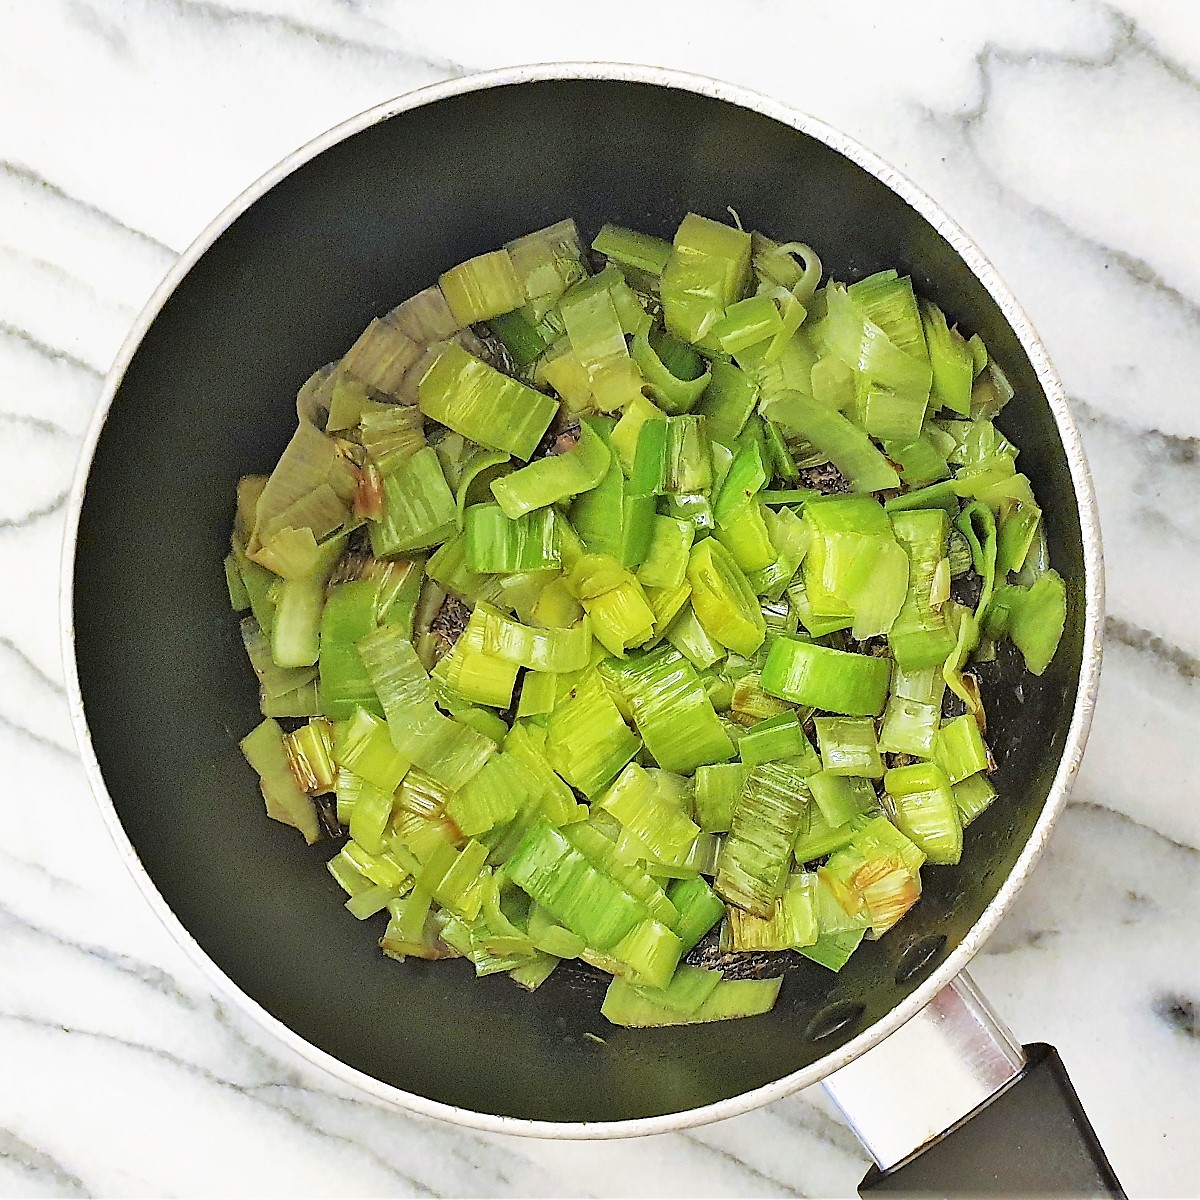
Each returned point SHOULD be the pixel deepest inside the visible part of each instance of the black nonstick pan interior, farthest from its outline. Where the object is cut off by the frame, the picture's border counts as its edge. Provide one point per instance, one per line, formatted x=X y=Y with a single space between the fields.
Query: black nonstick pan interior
x=209 y=396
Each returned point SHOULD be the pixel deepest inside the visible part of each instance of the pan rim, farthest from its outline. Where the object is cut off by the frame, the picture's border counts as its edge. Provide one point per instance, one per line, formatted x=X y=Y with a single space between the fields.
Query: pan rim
x=1085 y=698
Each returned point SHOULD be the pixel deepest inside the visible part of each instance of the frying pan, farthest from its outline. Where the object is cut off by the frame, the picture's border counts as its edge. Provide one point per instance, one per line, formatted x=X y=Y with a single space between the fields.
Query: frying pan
x=202 y=392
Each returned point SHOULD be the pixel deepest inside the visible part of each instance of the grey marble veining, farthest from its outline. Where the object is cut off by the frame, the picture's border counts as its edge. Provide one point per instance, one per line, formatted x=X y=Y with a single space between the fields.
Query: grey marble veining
x=1061 y=135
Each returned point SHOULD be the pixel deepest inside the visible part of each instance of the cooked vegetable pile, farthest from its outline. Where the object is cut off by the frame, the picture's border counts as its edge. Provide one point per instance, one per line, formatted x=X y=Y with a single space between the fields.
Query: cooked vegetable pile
x=607 y=609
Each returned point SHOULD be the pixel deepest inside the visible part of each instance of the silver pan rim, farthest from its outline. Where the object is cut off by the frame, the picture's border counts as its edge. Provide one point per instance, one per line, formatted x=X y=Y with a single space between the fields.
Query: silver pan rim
x=1081 y=716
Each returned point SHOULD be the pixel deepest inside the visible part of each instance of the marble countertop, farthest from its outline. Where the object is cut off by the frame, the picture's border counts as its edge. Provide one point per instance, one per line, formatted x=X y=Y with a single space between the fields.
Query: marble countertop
x=1061 y=134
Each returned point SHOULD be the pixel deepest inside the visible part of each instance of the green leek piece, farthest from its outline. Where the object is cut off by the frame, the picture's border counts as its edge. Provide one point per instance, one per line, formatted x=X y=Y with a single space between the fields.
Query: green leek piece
x=775 y=266
x=418 y=507
x=636 y=526
x=840 y=798
x=667 y=603
x=372 y=811
x=731 y=998
x=447 y=568
x=887 y=299
x=502 y=788
x=747 y=322
x=959 y=749
x=475 y=479
x=688 y=636
x=1037 y=621
x=832 y=384
x=965 y=628
x=498 y=544
x=843 y=443
x=688 y=989
x=594 y=327
x=920 y=462
x=850 y=333
x=368 y=903
x=583 y=899
x=848 y=746
x=381 y=357
x=482 y=287
x=391 y=434
x=347 y=399
x=550 y=937
x=532 y=974
x=672 y=711
x=792 y=923
x=551 y=650
x=822 y=836
x=349 y=878
x=922 y=806
x=723 y=600
x=951 y=359
x=652 y=952
x=554 y=478
x=380 y=869
x=972 y=796
x=909 y=727
x=820 y=677
x=643 y=810
x=274 y=681
x=598 y=515
x=881 y=886
x=303 y=701
x=628 y=430
x=587 y=742
x=779 y=453
x=349 y=615
x=753 y=864
x=526 y=343
x=920 y=636
x=792 y=539
x=310 y=755
x=620 y=616
x=708 y=270
x=239 y=597
x=666 y=561
x=296 y=621
x=398 y=589
x=888 y=417
x=817 y=626
x=448 y=750
x=474 y=399
x=547 y=262
x=285 y=800
x=645 y=255
x=671 y=392
x=745 y=535
x=260 y=588
x=728 y=401
x=410 y=929
x=750 y=703
x=473 y=671
x=833 y=950
x=605 y=854
x=363 y=746
x=777 y=737
x=717 y=788
x=747 y=475
x=699 y=908
x=556 y=800
x=693 y=507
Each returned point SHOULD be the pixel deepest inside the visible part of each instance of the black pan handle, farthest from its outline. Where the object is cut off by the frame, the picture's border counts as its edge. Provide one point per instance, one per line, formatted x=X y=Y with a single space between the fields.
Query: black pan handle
x=1032 y=1138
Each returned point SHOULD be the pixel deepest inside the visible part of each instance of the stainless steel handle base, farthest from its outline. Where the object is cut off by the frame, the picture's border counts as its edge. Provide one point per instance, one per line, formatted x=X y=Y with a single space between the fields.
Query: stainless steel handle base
x=953 y=1056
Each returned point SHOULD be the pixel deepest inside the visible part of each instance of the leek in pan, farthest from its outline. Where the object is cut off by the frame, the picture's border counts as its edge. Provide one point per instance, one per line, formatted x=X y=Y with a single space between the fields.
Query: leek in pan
x=630 y=615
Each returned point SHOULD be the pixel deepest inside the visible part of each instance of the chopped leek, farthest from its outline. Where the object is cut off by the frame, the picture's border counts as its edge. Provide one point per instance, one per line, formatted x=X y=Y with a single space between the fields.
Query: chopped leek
x=555 y=668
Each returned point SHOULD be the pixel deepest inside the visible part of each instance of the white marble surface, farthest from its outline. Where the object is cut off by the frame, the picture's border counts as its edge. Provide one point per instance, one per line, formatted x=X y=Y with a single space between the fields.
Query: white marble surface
x=1063 y=134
